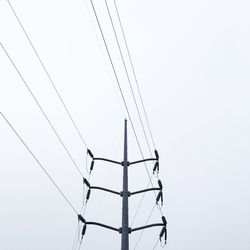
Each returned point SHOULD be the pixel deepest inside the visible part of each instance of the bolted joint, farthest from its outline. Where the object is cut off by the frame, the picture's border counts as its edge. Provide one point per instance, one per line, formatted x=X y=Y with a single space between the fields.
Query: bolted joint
x=122 y=163
x=121 y=193
x=129 y=230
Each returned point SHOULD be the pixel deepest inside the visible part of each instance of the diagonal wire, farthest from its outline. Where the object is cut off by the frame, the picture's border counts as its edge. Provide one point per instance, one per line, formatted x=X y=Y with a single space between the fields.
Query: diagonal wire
x=41 y=109
x=135 y=76
x=157 y=242
x=127 y=75
x=138 y=240
x=39 y=163
x=118 y=82
x=47 y=73
x=104 y=57
x=137 y=84
x=139 y=206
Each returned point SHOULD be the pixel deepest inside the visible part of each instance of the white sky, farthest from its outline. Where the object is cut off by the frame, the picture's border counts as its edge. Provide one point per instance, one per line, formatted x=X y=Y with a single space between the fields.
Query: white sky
x=192 y=60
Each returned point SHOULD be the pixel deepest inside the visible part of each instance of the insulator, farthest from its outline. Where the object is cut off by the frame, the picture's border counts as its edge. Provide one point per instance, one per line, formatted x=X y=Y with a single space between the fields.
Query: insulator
x=164 y=220
x=84 y=229
x=81 y=218
x=160 y=184
x=162 y=199
x=86 y=182
x=156 y=167
x=88 y=194
x=162 y=232
x=90 y=153
x=165 y=235
x=92 y=165
x=158 y=197
x=156 y=155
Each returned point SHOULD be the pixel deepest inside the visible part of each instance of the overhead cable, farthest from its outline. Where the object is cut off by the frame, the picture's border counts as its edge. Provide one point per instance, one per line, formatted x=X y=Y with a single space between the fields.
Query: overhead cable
x=157 y=242
x=47 y=73
x=138 y=240
x=120 y=89
x=139 y=206
x=39 y=163
x=127 y=75
x=41 y=109
x=135 y=76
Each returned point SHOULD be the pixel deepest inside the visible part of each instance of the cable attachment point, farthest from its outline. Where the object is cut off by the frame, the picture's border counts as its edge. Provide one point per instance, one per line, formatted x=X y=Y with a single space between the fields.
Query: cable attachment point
x=156 y=168
x=90 y=153
x=159 y=196
x=156 y=155
x=164 y=230
x=122 y=163
x=160 y=184
x=85 y=181
x=80 y=218
x=164 y=220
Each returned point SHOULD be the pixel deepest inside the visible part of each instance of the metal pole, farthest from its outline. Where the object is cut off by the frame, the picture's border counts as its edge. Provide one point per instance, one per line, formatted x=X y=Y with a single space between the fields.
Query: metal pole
x=125 y=233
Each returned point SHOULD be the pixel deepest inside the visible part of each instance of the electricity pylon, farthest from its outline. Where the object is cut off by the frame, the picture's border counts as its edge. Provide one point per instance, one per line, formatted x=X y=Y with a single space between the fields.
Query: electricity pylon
x=125 y=230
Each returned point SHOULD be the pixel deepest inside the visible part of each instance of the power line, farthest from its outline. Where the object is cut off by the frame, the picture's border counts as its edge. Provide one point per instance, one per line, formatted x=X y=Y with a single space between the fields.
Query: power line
x=135 y=76
x=140 y=203
x=39 y=163
x=47 y=73
x=118 y=82
x=138 y=240
x=157 y=242
x=41 y=109
x=137 y=84
x=127 y=74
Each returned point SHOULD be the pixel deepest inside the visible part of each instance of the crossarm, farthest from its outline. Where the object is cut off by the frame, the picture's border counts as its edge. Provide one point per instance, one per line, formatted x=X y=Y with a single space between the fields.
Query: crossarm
x=101 y=225
x=144 y=160
x=105 y=189
x=147 y=226
x=108 y=160
x=144 y=190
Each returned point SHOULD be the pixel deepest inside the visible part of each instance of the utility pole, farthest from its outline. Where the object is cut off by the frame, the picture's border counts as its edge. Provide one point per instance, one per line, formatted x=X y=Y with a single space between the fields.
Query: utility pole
x=125 y=231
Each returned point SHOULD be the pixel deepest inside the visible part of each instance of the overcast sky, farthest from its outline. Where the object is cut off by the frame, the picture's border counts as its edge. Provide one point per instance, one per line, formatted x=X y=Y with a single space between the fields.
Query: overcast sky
x=192 y=61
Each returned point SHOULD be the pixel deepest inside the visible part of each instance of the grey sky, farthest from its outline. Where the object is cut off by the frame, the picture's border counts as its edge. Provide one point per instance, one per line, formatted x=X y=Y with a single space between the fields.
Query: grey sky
x=192 y=61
